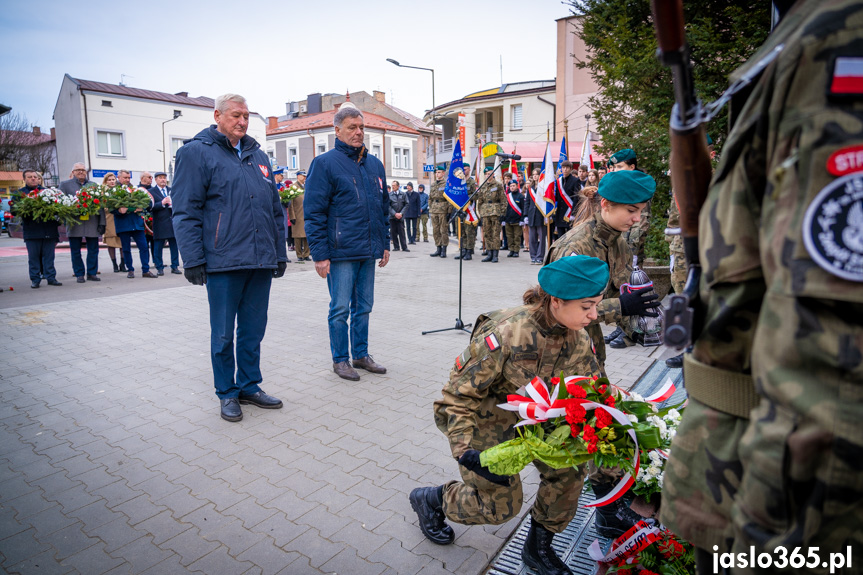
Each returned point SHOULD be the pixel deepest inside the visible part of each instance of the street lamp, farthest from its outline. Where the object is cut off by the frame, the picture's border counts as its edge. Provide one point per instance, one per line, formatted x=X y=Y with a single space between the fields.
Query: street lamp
x=434 y=117
x=177 y=114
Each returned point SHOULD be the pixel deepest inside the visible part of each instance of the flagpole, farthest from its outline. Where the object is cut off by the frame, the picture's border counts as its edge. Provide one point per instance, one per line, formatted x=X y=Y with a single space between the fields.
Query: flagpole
x=548 y=223
x=566 y=137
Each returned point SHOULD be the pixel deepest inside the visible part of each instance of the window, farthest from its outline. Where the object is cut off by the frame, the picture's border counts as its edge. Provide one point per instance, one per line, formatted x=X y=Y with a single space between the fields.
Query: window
x=406 y=159
x=322 y=148
x=397 y=158
x=292 y=158
x=107 y=103
x=376 y=151
x=401 y=158
x=109 y=143
x=516 y=117
x=175 y=145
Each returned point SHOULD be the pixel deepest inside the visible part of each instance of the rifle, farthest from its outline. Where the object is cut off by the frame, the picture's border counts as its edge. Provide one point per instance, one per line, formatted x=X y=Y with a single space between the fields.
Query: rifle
x=690 y=166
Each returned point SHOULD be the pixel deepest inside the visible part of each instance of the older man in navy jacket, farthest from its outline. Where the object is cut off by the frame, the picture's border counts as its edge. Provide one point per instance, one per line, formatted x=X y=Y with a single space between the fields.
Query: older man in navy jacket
x=346 y=208
x=230 y=228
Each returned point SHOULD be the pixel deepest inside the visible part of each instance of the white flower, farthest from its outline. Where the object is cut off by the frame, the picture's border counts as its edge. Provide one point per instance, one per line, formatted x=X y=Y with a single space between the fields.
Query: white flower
x=655 y=458
x=660 y=478
x=672 y=414
x=636 y=397
x=632 y=418
x=653 y=470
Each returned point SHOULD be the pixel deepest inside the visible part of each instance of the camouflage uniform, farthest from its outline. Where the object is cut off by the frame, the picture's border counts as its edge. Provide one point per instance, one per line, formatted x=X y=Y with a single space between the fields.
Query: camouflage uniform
x=438 y=210
x=468 y=231
x=637 y=234
x=491 y=205
x=598 y=239
x=790 y=474
x=675 y=249
x=468 y=414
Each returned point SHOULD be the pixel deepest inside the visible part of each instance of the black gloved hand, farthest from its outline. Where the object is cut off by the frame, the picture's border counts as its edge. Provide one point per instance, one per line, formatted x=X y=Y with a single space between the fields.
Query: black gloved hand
x=196 y=275
x=470 y=460
x=281 y=271
x=100 y=230
x=639 y=302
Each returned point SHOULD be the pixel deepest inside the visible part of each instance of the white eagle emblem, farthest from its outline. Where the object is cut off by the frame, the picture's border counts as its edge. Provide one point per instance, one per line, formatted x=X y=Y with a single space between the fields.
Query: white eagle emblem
x=852 y=236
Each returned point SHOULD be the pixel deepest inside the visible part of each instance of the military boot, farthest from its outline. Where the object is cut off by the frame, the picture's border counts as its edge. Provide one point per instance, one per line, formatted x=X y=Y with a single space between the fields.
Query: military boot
x=436 y=254
x=489 y=255
x=614 y=519
x=428 y=504
x=461 y=254
x=512 y=254
x=468 y=255
x=443 y=251
x=613 y=335
x=538 y=554
x=494 y=255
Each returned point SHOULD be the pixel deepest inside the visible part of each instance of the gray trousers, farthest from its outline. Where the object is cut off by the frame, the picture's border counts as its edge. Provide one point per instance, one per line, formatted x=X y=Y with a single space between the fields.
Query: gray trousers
x=537 y=237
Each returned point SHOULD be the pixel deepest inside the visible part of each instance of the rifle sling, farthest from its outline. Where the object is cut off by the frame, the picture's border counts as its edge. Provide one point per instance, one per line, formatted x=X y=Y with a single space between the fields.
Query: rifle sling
x=726 y=391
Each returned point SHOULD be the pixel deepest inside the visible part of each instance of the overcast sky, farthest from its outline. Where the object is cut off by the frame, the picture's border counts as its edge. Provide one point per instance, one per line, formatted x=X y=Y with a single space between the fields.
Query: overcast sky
x=273 y=52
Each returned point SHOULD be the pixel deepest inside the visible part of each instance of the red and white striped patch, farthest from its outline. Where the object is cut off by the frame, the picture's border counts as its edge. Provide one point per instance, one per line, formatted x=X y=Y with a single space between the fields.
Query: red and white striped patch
x=492 y=343
x=847 y=76
x=264 y=170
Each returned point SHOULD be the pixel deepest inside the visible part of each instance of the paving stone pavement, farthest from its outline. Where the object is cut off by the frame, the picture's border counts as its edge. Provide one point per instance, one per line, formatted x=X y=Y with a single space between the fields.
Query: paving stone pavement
x=113 y=458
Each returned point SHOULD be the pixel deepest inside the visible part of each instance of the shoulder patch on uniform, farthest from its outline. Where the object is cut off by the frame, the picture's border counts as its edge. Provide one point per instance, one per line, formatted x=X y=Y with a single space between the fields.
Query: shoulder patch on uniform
x=264 y=170
x=847 y=77
x=462 y=360
x=845 y=161
x=592 y=346
x=833 y=228
x=491 y=342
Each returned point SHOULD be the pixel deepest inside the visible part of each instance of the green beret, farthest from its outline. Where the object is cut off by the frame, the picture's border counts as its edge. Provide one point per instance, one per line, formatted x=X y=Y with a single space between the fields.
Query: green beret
x=627 y=187
x=488 y=169
x=440 y=168
x=622 y=156
x=709 y=140
x=574 y=277
x=465 y=165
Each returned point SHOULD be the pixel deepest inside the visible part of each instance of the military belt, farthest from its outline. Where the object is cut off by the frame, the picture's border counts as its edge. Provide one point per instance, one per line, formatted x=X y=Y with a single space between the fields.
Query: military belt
x=723 y=390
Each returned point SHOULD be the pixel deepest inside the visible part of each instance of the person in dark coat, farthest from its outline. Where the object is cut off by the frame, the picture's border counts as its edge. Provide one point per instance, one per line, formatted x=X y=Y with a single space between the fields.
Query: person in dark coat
x=568 y=184
x=412 y=212
x=163 y=229
x=86 y=231
x=513 y=218
x=230 y=228
x=398 y=204
x=40 y=237
x=130 y=226
x=536 y=223
x=424 y=214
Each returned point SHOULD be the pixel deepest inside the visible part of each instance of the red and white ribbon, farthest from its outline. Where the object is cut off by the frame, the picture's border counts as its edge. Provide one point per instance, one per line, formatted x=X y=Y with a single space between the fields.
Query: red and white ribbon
x=666 y=391
x=566 y=199
x=639 y=537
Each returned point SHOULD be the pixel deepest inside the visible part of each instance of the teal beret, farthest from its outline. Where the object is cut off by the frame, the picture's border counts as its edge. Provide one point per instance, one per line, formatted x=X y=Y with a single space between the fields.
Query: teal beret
x=465 y=165
x=627 y=187
x=488 y=169
x=574 y=277
x=622 y=156
x=440 y=168
x=709 y=140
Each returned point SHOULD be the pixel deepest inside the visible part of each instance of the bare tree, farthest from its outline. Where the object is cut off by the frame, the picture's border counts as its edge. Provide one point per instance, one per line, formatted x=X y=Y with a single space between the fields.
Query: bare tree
x=14 y=136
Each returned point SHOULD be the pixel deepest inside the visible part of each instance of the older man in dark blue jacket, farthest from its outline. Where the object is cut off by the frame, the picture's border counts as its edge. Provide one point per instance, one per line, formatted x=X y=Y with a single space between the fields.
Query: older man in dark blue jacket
x=230 y=228
x=346 y=208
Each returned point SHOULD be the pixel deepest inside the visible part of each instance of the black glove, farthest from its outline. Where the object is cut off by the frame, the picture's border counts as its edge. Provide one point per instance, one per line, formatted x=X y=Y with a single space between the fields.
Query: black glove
x=196 y=275
x=281 y=271
x=100 y=230
x=639 y=302
x=470 y=460
x=293 y=222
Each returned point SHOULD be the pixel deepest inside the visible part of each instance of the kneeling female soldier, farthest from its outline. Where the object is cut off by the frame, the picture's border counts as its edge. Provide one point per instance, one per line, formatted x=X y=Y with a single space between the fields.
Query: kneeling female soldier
x=508 y=348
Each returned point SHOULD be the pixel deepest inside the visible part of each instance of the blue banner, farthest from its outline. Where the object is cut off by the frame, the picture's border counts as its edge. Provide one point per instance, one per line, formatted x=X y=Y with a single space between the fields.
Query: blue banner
x=456 y=186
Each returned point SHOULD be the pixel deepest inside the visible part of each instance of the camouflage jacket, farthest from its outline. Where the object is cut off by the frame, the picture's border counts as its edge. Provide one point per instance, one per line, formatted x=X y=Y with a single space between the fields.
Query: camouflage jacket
x=438 y=204
x=507 y=349
x=676 y=242
x=491 y=200
x=597 y=239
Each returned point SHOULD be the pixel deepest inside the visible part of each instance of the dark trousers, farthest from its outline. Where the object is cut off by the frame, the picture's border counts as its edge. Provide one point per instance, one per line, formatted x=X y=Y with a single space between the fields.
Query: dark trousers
x=143 y=249
x=238 y=298
x=92 y=256
x=158 y=251
x=397 y=234
x=412 y=230
x=40 y=257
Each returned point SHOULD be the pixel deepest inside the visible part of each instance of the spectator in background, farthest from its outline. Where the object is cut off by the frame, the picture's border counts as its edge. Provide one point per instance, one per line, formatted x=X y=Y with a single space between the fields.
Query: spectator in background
x=601 y=171
x=87 y=231
x=582 y=175
x=146 y=181
x=424 y=213
x=297 y=221
x=411 y=213
x=110 y=237
x=513 y=218
x=130 y=226
x=536 y=226
x=398 y=203
x=279 y=178
x=40 y=237
x=163 y=228
x=592 y=178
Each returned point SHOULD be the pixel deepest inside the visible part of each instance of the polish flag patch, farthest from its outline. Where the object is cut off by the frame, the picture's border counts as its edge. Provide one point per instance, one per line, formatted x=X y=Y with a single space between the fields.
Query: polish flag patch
x=492 y=343
x=264 y=170
x=847 y=76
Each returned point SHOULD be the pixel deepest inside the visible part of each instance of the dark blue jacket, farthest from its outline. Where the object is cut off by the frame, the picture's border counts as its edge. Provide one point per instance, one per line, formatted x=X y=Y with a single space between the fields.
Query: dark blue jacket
x=346 y=205
x=424 y=202
x=226 y=209
x=413 y=208
x=130 y=221
x=163 y=229
x=35 y=230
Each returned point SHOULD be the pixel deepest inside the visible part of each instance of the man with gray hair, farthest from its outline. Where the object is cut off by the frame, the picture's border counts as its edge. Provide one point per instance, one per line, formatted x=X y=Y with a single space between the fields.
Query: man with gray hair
x=346 y=208
x=230 y=228
x=86 y=231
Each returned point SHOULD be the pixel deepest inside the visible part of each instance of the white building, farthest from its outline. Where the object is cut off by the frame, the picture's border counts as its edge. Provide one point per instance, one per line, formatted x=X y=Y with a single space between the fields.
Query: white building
x=111 y=127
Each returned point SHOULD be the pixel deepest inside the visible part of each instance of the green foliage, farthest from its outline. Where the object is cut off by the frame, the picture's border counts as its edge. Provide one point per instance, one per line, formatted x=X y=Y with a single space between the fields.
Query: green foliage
x=633 y=105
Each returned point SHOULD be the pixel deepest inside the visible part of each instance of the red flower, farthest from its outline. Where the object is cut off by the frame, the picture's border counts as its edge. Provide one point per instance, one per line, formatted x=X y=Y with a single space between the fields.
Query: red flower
x=575 y=430
x=575 y=414
x=577 y=392
x=591 y=447
x=648 y=572
x=589 y=434
x=601 y=389
x=96 y=201
x=609 y=401
x=603 y=419
x=555 y=380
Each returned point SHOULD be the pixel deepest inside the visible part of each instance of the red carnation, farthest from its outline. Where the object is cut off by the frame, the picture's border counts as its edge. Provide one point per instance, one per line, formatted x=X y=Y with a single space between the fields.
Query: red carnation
x=591 y=447
x=96 y=201
x=609 y=401
x=603 y=418
x=575 y=430
x=575 y=414
x=589 y=433
x=555 y=380
x=577 y=392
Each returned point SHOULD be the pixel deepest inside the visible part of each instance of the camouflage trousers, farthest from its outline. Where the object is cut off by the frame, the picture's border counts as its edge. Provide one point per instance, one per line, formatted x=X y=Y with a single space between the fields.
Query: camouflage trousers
x=439 y=229
x=468 y=239
x=678 y=271
x=513 y=237
x=491 y=232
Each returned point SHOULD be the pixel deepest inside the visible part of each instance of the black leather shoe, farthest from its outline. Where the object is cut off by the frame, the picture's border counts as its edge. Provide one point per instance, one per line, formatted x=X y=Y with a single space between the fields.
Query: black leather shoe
x=262 y=400
x=619 y=342
x=368 y=364
x=461 y=254
x=160 y=272
x=53 y=283
x=428 y=504
x=613 y=335
x=149 y=275
x=175 y=271
x=675 y=362
x=231 y=410
x=93 y=278
x=538 y=554
x=80 y=279
x=35 y=283
x=130 y=275
x=406 y=250
x=494 y=256
x=443 y=251
x=344 y=370
x=435 y=253
x=469 y=255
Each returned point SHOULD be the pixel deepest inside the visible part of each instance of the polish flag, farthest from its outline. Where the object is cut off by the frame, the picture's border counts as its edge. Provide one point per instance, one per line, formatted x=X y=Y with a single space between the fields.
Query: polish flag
x=587 y=152
x=847 y=76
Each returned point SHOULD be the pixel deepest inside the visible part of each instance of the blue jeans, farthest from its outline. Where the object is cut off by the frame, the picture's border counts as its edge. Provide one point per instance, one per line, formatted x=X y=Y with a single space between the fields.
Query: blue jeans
x=40 y=257
x=240 y=296
x=143 y=249
x=92 y=256
x=352 y=292
x=158 y=250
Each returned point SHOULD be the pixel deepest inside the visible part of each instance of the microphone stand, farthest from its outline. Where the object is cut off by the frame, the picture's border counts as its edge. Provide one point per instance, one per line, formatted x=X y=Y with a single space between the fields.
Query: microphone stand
x=461 y=215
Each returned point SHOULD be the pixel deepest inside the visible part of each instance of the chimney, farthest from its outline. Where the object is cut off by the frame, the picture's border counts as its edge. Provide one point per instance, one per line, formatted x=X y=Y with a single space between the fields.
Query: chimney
x=183 y=94
x=37 y=131
x=379 y=96
x=53 y=134
x=314 y=103
x=272 y=123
